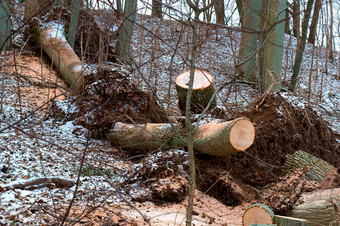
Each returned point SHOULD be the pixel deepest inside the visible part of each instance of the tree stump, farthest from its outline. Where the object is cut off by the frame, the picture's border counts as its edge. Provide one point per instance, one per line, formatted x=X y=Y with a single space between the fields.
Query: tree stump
x=258 y=214
x=203 y=90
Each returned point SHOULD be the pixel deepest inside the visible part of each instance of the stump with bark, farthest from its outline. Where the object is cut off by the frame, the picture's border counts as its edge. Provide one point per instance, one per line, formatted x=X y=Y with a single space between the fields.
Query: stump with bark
x=203 y=90
x=316 y=169
x=213 y=138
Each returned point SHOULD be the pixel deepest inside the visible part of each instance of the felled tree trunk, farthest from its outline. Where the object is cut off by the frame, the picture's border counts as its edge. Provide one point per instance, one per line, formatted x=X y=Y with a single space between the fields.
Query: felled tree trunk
x=316 y=169
x=213 y=138
x=63 y=56
x=319 y=207
x=203 y=90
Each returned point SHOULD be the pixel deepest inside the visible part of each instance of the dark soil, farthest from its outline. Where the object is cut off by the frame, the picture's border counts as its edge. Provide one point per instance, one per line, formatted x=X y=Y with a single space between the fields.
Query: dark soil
x=282 y=129
x=111 y=98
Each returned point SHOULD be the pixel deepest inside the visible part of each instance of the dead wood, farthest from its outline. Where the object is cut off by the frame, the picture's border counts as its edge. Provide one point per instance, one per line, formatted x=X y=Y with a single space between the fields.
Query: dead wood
x=213 y=138
x=41 y=182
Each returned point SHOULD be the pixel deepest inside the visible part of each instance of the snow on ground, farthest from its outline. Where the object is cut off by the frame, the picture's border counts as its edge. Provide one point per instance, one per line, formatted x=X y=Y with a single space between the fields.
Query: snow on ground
x=24 y=157
x=217 y=53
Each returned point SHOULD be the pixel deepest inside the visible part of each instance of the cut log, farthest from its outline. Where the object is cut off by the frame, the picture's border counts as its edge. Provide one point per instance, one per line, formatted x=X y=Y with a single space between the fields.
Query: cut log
x=319 y=207
x=258 y=214
x=63 y=56
x=203 y=90
x=213 y=138
x=288 y=221
x=316 y=169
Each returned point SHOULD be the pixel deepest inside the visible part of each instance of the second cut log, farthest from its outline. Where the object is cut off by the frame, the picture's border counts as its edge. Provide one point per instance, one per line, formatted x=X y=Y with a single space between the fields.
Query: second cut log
x=213 y=138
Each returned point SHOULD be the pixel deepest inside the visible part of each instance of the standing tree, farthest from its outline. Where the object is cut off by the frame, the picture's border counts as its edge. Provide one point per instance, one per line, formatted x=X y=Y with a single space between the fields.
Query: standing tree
x=219 y=11
x=157 y=8
x=5 y=25
x=269 y=18
x=330 y=41
x=125 y=33
x=248 y=44
x=301 y=46
x=188 y=125
x=296 y=19
x=270 y=56
x=314 y=23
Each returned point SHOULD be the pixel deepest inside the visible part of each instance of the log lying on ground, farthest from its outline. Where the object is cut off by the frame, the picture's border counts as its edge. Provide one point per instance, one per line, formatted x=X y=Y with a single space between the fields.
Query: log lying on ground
x=213 y=138
x=63 y=56
x=319 y=207
x=203 y=89
x=316 y=169
x=42 y=182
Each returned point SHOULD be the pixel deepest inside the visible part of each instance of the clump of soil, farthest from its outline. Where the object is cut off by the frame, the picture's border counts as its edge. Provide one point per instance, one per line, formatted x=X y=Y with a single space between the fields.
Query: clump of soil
x=282 y=195
x=282 y=129
x=114 y=98
x=162 y=174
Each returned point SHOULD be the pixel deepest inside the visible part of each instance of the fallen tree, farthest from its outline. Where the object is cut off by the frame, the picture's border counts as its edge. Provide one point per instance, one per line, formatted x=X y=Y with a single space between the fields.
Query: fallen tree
x=213 y=138
x=319 y=207
x=63 y=56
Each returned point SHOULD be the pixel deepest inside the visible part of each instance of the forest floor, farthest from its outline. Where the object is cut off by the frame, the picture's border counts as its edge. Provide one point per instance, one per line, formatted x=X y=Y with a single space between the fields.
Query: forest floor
x=46 y=132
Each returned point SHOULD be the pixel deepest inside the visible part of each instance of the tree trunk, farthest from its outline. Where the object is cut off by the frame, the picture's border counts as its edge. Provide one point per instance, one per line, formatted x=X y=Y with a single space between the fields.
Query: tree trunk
x=301 y=46
x=203 y=90
x=219 y=11
x=316 y=169
x=296 y=19
x=258 y=214
x=35 y=8
x=125 y=32
x=287 y=27
x=213 y=138
x=320 y=207
x=63 y=57
x=74 y=21
x=5 y=26
x=248 y=44
x=157 y=8
x=314 y=24
x=239 y=4
x=330 y=42
x=270 y=56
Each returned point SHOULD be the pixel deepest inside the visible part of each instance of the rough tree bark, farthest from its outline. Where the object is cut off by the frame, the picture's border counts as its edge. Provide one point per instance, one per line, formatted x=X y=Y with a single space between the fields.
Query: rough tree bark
x=314 y=23
x=203 y=90
x=320 y=207
x=296 y=19
x=213 y=138
x=157 y=8
x=219 y=11
x=316 y=169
